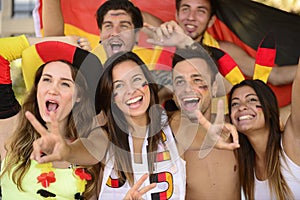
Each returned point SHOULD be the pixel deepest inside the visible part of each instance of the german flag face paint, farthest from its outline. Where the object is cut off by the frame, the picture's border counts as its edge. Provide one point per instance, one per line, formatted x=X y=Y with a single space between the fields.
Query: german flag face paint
x=192 y=86
x=131 y=91
x=246 y=110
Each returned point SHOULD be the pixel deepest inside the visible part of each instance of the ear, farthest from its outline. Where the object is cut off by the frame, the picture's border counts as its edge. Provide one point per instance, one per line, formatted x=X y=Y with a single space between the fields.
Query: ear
x=78 y=99
x=214 y=87
x=211 y=21
x=137 y=37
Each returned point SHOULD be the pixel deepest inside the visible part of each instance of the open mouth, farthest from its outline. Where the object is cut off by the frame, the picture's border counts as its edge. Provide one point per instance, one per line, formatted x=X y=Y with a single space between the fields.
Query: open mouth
x=116 y=46
x=190 y=28
x=135 y=100
x=245 y=117
x=190 y=103
x=51 y=106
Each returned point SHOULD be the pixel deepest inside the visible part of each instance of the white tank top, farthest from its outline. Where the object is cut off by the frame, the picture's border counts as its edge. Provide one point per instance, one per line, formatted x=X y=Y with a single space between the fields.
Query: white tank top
x=169 y=173
x=291 y=174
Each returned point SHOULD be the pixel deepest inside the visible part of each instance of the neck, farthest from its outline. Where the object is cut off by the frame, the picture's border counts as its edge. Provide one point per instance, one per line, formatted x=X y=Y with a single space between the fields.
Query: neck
x=62 y=126
x=138 y=126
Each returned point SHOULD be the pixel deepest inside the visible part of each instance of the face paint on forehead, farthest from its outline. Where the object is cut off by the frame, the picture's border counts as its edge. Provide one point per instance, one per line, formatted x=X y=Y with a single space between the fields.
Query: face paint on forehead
x=118 y=13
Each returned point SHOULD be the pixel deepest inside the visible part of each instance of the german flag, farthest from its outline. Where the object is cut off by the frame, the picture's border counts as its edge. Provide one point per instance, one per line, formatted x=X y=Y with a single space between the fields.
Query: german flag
x=265 y=58
x=227 y=66
x=245 y=23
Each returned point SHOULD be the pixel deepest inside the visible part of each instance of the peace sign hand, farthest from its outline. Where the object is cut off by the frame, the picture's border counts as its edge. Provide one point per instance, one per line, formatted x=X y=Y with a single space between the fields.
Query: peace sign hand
x=218 y=133
x=50 y=143
x=135 y=193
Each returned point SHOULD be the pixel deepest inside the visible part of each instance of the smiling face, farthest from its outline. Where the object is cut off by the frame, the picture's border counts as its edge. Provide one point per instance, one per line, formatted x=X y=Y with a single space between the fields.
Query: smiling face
x=194 y=16
x=130 y=89
x=117 y=32
x=246 y=110
x=56 y=91
x=192 y=86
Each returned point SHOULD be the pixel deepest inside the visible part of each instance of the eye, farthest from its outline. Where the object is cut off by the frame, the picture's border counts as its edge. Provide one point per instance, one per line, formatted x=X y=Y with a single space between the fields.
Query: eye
x=184 y=9
x=125 y=26
x=201 y=11
x=118 y=86
x=253 y=100
x=234 y=104
x=200 y=83
x=137 y=79
x=180 y=82
x=46 y=79
x=107 y=26
x=65 y=84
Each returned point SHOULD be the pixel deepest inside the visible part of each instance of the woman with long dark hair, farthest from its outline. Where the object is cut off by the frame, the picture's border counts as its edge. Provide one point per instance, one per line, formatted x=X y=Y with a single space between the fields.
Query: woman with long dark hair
x=141 y=139
x=269 y=160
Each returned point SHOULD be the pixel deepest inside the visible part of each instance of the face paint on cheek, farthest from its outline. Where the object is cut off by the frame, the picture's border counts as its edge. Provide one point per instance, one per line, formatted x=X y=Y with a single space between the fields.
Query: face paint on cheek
x=145 y=84
x=115 y=94
x=259 y=107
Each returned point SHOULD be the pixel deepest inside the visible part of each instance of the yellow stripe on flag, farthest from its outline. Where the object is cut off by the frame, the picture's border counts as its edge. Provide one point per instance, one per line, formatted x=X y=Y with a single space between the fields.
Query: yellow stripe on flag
x=235 y=76
x=262 y=72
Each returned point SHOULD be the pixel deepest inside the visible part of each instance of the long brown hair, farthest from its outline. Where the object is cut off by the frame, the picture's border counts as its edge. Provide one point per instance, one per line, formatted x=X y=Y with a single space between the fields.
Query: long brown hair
x=246 y=153
x=19 y=146
x=117 y=126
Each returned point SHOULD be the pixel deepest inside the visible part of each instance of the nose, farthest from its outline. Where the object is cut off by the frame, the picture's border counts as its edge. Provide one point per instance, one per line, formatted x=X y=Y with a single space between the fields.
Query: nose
x=53 y=89
x=115 y=31
x=130 y=88
x=191 y=15
x=243 y=106
x=189 y=87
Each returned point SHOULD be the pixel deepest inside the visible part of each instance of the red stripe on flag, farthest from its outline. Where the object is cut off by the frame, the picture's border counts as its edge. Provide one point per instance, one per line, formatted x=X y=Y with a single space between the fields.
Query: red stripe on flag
x=228 y=62
x=266 y=57
x=5 y=71
x=221 y=32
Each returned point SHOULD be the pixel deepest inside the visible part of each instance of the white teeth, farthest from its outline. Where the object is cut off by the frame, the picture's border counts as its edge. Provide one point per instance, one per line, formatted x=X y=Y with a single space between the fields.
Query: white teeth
x=191 y=99
x=134 y=100
x=190 y=26
x=245 y=117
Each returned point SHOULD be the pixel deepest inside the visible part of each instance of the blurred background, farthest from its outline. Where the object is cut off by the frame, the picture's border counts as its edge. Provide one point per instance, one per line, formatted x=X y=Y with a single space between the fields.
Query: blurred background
x=16 y=17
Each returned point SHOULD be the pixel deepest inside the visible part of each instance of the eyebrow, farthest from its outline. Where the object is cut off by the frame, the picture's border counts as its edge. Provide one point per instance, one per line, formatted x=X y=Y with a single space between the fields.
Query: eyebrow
x=130 y=78
x=250 y=94
x=201 y=7
x=64 y=79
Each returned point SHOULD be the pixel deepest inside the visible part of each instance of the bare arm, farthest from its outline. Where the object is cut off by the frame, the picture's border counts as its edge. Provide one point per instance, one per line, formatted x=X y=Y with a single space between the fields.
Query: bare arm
x=53 y=22
x=67 y=39
x=291 y=135
x=150 y=19
x=278 y=76
x=87 y=151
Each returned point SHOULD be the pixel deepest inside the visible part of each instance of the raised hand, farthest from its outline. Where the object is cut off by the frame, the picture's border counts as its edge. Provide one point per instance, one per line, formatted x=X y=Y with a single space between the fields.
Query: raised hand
x=135 y=193
x=51 y=146
x=218 y=133
x=167 y=34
